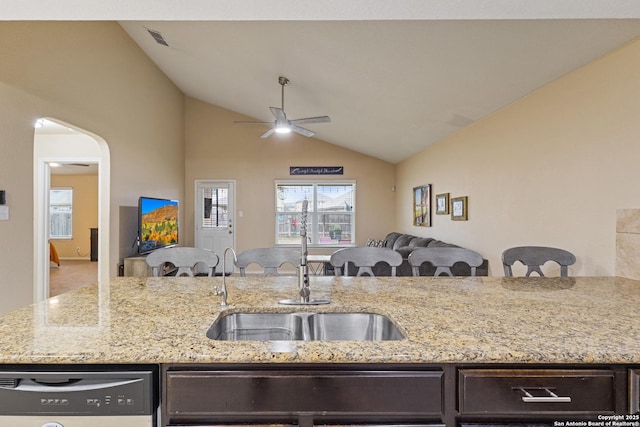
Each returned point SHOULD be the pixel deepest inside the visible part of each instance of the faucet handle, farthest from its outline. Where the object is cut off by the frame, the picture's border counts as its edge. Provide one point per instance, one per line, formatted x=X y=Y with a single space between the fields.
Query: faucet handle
x=305 y=292
x=221 y=293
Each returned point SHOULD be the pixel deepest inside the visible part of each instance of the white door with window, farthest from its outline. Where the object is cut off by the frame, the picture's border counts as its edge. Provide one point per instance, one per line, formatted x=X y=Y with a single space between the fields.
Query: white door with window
x=215 y=218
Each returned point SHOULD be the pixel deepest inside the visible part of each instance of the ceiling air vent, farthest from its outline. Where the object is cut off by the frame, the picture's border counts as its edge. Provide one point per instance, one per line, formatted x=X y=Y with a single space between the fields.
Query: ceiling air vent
x=158 y=37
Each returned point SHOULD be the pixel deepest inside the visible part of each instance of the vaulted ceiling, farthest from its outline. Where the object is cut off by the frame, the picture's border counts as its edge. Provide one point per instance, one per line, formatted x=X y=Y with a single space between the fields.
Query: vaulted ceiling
x=393 y=76
x=391 y=88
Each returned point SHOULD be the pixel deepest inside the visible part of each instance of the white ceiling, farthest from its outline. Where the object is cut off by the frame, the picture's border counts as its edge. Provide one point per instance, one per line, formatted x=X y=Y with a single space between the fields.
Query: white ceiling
x=391 y=88
x=70 y=167
x=75 y=168
x=394 y=76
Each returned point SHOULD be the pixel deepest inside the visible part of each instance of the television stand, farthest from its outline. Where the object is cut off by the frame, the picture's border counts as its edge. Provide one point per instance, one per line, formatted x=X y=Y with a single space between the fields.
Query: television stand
x=136 y=266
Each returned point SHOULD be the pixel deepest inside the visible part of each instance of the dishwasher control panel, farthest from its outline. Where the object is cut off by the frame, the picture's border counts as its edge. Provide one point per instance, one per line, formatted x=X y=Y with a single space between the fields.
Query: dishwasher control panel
x=76 y=392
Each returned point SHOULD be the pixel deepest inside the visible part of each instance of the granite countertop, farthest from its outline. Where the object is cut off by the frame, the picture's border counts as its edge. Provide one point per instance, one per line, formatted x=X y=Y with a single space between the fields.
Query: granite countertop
x=445 y=320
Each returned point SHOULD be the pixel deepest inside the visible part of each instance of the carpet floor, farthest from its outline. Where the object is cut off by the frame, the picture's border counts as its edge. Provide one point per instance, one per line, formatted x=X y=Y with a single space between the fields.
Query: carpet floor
x=71 y=275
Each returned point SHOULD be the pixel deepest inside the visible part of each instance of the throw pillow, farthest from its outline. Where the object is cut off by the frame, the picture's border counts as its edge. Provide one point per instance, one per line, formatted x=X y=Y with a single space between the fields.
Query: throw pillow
x=375 y=243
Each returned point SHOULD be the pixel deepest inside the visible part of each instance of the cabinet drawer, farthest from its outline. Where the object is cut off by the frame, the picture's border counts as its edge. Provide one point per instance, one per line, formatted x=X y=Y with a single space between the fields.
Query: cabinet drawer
x=282 y=395
x=535 y=391
x=634 y=391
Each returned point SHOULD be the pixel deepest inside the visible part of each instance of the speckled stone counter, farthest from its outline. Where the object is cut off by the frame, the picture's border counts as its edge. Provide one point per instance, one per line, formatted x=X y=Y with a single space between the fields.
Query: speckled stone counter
x=445 y=320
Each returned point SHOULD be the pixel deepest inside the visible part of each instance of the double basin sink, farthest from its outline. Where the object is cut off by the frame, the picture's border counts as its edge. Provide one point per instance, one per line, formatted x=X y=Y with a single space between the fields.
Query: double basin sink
x=304 y=326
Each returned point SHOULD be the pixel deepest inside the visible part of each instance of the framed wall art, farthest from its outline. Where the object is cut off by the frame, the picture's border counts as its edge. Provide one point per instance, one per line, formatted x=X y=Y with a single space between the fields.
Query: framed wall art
x=422 y=206
x=459 y=208
x=442 y=204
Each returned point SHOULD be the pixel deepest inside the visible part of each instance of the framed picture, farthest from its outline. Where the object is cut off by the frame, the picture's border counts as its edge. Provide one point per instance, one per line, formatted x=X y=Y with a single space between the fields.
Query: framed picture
x=422 y=206
x=459 y=208
x=442 y=204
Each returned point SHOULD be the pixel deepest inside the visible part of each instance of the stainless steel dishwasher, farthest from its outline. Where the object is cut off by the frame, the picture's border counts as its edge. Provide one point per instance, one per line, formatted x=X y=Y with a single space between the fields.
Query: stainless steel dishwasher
x=77 y=396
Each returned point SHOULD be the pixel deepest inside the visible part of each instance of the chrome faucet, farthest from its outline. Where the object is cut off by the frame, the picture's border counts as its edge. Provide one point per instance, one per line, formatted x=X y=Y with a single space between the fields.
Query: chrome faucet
x=223 y=292
x=303 y=268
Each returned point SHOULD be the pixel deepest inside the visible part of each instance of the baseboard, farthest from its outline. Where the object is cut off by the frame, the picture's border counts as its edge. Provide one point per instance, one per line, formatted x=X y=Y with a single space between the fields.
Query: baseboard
x=75 y=258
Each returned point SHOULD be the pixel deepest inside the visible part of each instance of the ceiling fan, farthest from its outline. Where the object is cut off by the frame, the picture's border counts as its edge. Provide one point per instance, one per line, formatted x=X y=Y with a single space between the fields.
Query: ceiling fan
x=56 y=164
x=283 y=125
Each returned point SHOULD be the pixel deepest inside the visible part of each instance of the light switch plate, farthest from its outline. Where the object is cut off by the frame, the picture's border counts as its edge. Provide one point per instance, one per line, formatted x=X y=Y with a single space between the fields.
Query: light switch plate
x=4 y=213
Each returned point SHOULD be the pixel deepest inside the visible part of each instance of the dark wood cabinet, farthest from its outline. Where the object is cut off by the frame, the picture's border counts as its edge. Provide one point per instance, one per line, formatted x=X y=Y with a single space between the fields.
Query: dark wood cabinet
x=634 y=391
x=536 y=391
x=418 y=395
x=299 y=396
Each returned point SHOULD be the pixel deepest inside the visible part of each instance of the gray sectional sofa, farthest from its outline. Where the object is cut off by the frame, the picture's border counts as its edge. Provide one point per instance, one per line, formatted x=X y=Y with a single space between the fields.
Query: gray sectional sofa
x=406 y=243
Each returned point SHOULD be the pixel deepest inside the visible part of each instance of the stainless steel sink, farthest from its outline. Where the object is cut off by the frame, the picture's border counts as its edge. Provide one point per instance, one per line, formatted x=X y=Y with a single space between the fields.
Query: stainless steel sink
x=257 y=327
x=353 y=327
x=304 y=327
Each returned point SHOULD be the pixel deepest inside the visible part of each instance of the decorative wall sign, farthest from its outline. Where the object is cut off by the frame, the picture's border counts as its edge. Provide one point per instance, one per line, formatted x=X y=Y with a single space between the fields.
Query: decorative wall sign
x=316 y=170
x=442 y=204
x=459 y=208
x=422 y=206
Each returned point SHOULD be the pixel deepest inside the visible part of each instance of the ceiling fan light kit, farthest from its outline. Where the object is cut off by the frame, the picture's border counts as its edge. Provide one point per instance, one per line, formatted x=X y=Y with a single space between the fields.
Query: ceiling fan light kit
x=283 y=125
x=283 y=129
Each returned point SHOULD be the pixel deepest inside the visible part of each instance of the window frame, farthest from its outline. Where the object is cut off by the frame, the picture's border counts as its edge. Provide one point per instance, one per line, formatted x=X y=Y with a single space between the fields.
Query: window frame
x=51 y=214
x=313 y=231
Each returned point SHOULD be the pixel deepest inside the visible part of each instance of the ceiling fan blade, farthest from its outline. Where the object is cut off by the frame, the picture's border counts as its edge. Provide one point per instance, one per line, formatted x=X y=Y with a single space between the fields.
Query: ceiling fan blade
x=278 y=113
x=319 y=119
x=268 y=133
x=281 y=124
x=302 y=131
x=252 y=123
x=84 y=165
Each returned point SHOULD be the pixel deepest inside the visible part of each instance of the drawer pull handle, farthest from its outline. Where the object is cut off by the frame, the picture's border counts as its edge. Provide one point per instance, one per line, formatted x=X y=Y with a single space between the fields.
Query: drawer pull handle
x=551 y=397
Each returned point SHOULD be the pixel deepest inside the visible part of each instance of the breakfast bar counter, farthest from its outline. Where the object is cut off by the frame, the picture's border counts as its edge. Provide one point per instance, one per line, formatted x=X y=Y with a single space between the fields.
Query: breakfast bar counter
x=585 y=320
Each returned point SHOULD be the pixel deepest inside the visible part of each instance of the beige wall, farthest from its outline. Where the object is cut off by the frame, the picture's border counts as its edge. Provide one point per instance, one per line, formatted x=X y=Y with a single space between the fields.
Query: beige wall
x=550 y=169
x=92 y=75
x=216 y=148
x=85 y=213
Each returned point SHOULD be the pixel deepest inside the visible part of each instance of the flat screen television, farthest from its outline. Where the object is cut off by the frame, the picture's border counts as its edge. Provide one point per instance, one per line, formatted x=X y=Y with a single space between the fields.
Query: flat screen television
x=157 y=224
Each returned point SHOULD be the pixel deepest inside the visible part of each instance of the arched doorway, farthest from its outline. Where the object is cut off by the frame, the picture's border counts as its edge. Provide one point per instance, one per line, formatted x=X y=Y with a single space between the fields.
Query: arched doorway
x=64 y=144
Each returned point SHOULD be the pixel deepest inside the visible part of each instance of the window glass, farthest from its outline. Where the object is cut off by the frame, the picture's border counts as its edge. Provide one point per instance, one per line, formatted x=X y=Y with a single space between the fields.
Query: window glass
x=60 y=213
x=330 y=218
x=216 y=208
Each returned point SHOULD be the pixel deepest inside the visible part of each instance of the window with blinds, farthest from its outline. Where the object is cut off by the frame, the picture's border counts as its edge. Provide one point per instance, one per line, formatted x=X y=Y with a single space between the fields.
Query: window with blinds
x=216 y=208
x=331 y=212
x=61 y=213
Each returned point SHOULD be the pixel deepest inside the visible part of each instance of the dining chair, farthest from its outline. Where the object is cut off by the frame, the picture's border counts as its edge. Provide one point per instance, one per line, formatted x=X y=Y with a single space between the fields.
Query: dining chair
x=184 y=259
x=534 y=257
x=443 y=259
x=270 y=259
x=364 y=258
